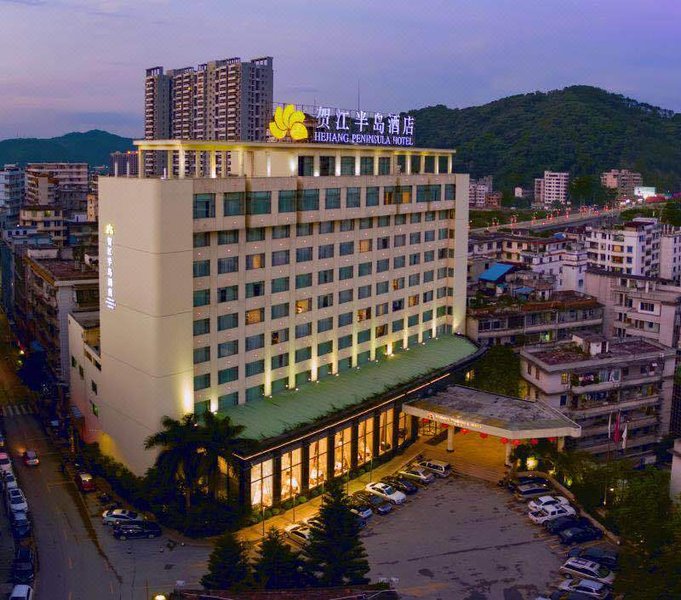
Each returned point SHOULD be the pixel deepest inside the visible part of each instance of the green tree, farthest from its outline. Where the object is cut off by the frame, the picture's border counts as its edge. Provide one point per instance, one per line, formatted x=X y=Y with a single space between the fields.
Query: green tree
x=217 y=440
x=228 y=564
x=498 y=371
x=337 y=554
x=277 y=566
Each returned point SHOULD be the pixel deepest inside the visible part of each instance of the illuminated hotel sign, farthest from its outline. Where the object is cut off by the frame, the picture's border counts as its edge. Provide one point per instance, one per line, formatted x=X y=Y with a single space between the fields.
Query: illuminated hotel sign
x=108 y=238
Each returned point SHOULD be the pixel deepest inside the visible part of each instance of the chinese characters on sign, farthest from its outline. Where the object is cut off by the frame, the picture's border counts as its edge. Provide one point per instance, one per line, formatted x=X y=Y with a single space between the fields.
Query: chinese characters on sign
x=108 y=239
x=335 y=126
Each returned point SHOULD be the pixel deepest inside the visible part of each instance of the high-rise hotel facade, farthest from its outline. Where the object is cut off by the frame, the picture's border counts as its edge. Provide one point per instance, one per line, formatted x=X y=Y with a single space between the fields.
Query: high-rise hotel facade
x=266 y=293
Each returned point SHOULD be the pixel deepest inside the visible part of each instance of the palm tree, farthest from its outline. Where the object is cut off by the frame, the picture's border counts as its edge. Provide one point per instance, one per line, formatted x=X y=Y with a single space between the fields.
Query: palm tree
x=218 y=437
x=179 y=458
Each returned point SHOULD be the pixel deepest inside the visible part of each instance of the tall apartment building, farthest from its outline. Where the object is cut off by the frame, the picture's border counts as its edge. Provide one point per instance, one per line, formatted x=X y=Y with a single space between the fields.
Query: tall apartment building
x=478 y=191
x=670 y=254
x=552 y=188
x=11 y=195
x=226 y=99
x=623 y=181
x=124 y=164
x=260 y=284
x=63 y=184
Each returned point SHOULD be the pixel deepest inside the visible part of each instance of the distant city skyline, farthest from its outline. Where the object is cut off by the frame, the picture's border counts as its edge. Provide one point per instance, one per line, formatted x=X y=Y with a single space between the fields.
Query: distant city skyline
x=74 y=65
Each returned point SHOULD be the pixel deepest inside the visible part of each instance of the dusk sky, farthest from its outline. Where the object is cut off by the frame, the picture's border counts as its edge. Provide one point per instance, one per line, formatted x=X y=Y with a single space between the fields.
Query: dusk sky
x=74 y=65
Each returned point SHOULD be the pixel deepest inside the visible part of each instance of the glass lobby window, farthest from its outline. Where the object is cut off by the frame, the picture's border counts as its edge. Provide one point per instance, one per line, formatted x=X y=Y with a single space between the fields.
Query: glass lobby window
x=233 y=204
x=366 y=165
x=317 y=463
x=204 y=206
x=287 y=201
x=341 y=451
x=365 y=440
x=385 y=431
x=261 y=483
x=347 y=165
x=403 y=427
x=290 y=473
x=332 y=198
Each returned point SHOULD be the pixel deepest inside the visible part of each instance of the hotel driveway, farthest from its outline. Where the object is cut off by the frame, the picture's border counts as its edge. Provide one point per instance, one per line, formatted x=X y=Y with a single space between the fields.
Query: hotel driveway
x=465 y=539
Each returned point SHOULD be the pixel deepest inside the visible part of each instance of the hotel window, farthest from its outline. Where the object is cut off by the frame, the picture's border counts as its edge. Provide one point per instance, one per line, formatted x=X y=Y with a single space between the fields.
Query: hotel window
x=255 y=234
x=254 y=342
x=281 y=232
x=363 y=314
x=327 y=165
x=279 y=337
x=564 y=377
x=415 y=237
x=428 y=296
x=383 y=243
x=415 y=160
x=347 y=225
x=280 y=284
x=204 y=206
x=352 y=197
x=382 y=309
x=325 y=276
x=345 y=296
x=280 y=361
x=415 y=218
x=450 y=191
x=398 y=283
x=201 y=297
x=345 y=272
x=259 y=203
x=346 y=248
x=345 y=341
x=382 y=265
x=233 y=204
x=332 y=198
x=226 y=349
x=382 y=287
x=399 y=262
x=303 y=229
x=342 y=444
x=347 y=165
x=304 y=254
x=442 y=233
x=255 y=261
x=427 y=316
x=441 y=292
x=303 y=354
x=304 y=280
x=366 y=165
x=428 y=193
x=201 y=382
x=413 y=300
x=228 y=375
x=366 y=223
x=309 y=200
x=414 y=259
x=229 y=264
x=372 y=195
x=364 y=291
x=385 y=431
x=364 y=269
x=227 y=400
x=280 y=310
x=255 y=315
x=383 y=221
x=429 y=236
x=228 y=237
x=324 y=301
x=305 y=166
x=344 y=319
x=255 y=392
x=317 y=462
x=381 y=330
x=255 y=368
x=365 y=440
x=201 y=240
x=412 y=321
x=201 y=355
x=201 y=326
x=414 y=279
x=400 y=219
x=429 y=164
x=398 y=325
x=428 y=256
x=303 y=330
x=280 y=258
x=229 y=293
x=201 y=268
x=384 y=165
x=290 y=473
x=327 y=227
x=230 y=321
x=363 y=336
x=430 y=216
x=255 y=289
x=398 y=305
x=261 y=483
x=303 y=306
x=324 y=348
x=325 y=251
x=365 y=245
x=287 y=201
x=325 y=325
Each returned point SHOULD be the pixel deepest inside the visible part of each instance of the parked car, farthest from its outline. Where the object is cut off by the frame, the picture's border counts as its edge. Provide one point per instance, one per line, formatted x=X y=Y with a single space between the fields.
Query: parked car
x=5 y=462
x=116 y=516
x=402 y=484
x=437 y=467
x=300 y=534
x=561 y=523
x=377 y=504
x=531 y=490
x=587 y=587
x=16 y=501
x=577 y=535
x=9 y=481
x=563 y=595
x=550 y=513
x=361 y=509
x=145 y=529
x=21 y=525
x=603 y=556
x=587 y=569
x=85 y=482
x=418 y=474
x=546 y=501
x=512 y=484
x=23 y=566
x=31 y=458
x=21 y=592
x=387 y=492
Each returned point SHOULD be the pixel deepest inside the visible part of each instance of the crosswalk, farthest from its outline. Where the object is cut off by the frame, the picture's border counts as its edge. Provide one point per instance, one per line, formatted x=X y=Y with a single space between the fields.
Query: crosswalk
x=15 y=410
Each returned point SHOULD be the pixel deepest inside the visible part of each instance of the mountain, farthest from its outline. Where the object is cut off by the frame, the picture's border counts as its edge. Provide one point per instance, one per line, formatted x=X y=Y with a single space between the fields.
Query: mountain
x=581 y=129
x=92 y=147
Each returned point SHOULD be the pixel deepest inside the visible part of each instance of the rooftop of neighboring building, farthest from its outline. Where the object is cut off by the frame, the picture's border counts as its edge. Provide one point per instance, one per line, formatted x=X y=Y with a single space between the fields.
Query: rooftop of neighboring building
x=86 y=320
x=506 y=305
x=63 y=270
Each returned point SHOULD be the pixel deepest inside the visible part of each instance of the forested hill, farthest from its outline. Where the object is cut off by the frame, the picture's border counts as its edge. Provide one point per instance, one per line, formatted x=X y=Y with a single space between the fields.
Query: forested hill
x=581 y=129
x=92 y=147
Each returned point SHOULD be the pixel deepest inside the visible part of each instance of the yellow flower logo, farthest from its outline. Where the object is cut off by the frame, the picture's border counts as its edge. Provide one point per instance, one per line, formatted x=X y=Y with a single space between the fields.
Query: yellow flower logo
x=288 y=121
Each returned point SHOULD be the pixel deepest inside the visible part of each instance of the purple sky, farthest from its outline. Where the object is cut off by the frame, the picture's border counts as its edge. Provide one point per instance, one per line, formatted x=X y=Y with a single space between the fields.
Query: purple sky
x=70 y=65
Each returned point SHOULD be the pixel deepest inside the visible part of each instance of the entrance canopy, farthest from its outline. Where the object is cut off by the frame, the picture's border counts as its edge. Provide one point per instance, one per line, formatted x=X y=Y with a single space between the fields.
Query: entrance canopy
x=493 y=414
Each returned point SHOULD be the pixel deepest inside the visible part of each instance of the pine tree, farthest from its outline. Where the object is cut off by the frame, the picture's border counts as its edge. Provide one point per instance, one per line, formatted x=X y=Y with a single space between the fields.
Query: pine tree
x=228 y=565
x=337 y=555
x=277 y=566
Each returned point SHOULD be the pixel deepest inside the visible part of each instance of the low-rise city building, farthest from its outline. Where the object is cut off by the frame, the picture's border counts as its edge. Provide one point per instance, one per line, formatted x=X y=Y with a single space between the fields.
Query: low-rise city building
x=624 y=181
x=552 y=189
x=11 y=195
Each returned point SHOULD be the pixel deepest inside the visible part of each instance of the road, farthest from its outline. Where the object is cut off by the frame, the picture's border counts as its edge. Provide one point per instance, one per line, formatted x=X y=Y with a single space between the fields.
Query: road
x=560 y=221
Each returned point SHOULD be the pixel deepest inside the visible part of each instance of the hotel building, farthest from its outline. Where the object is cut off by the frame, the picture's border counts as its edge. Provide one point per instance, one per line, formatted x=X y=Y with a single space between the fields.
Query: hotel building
x=306 y=292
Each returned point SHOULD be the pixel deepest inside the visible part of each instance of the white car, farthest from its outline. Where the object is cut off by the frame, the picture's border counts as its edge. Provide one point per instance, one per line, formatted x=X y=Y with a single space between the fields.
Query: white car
x=120 y=515
x=9 y=481
x=550 y=513
x=587 y=569
x=546 y=501
x=5 y=463
x=16 y=501
x=586 y=587
x=419 y=474
x=298 y=533
x=21 y=592
x=387 y=492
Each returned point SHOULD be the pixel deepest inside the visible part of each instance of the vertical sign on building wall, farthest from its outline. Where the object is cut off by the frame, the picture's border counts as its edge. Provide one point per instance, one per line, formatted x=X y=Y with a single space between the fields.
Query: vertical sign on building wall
x=110 y=298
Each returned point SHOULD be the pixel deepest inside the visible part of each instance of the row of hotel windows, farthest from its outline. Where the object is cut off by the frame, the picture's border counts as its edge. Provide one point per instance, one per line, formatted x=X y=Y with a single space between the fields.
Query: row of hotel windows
x=280 y=258
x=260 y=203
x=348 y=165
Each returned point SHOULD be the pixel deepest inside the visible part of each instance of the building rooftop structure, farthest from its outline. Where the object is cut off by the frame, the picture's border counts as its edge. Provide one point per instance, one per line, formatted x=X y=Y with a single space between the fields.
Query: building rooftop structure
x=507 y=305
x=65 y=270
x=570 y=352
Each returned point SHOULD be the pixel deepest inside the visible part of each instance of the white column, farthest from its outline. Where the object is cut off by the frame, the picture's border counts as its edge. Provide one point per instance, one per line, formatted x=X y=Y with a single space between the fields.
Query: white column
x=376 y=157
x=169 y=164
x=449 y=163
x=437 y=165
x=140 y=162
x=315 y=165
x=407 y=163
x=223 y=159
x=197 y=163
x=212 y=156
x=357 y=164
x=182 y=158
x=338 y=163
x=450 y=439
